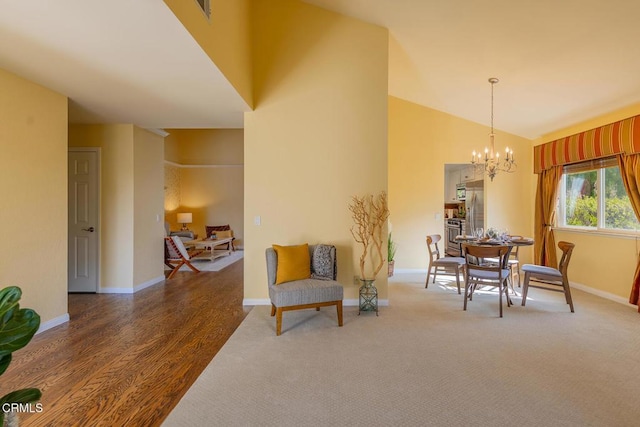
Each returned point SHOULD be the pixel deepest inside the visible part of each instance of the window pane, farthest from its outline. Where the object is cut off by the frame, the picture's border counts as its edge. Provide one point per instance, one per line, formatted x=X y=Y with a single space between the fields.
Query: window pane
x=581 y=205
x=618 y=212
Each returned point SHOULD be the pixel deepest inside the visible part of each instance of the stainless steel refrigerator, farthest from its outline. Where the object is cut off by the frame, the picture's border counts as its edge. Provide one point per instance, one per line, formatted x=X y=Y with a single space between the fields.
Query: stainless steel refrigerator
x=474 y=206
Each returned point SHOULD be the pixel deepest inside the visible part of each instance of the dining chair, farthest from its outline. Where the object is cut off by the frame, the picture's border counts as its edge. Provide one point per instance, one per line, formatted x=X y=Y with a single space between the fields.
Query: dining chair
x=447 y=266
x=549 y=278
x=480 y=273
x=513 y=262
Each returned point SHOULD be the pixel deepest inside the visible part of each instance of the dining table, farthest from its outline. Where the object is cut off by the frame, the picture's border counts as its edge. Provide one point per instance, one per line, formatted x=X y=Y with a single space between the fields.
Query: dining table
x=510 y=242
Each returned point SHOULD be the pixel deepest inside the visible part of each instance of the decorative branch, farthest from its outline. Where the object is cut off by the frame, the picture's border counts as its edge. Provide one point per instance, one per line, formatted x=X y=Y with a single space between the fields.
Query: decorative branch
x=369 y=215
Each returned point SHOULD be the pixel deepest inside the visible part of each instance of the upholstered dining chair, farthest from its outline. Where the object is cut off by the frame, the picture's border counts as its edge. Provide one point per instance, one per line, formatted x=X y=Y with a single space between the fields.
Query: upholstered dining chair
x=177 y=255
x=447 y=266
x=480 y=273
x=548 y=278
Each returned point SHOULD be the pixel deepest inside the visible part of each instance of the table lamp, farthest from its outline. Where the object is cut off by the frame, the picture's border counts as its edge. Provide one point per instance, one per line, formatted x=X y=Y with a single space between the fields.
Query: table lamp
x=185 y=218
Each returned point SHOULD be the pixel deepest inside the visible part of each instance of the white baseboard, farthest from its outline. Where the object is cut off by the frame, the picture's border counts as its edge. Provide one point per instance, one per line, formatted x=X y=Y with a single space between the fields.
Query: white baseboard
x=256 y=301
x=148 y=283
x=53 y=323
x=410 y=270
x=580 y=286
x=601 y=294
x=133 y=290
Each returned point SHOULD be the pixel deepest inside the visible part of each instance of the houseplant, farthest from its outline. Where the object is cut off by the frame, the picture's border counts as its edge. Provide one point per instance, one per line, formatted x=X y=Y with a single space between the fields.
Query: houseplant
x=17 y=327
x=391 y=253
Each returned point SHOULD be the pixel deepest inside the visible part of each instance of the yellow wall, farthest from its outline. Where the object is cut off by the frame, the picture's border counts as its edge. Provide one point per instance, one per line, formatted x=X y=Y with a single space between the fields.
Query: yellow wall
x=318 y=134
x=225 y=37
x=206 y=147
x=33 y=218
x=122 y=234
x=603 y=263
x=148 y=205
x=209 y=181
x=421 y=142
x=613 y=116
x=171 y=148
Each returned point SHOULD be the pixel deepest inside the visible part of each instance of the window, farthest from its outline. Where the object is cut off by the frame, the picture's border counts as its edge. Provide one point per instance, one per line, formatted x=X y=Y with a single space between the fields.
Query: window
x=592 y=196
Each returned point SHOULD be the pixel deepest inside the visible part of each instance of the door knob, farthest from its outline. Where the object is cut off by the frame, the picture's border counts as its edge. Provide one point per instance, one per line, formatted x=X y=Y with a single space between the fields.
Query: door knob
x=90 y=229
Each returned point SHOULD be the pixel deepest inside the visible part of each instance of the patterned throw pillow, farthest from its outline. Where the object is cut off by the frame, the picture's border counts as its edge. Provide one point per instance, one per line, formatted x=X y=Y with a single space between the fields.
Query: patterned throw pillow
x=321 y=263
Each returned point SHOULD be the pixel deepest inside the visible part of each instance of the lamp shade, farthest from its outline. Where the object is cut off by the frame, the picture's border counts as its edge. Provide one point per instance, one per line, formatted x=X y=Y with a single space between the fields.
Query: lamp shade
x=185 y=218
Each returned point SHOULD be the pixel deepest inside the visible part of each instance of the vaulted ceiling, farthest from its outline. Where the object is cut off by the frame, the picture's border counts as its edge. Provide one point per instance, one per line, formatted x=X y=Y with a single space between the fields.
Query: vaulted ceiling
x=559 y=62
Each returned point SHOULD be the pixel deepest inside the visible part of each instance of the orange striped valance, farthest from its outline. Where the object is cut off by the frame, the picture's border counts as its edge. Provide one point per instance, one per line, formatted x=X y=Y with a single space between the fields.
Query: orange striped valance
x=614 y=138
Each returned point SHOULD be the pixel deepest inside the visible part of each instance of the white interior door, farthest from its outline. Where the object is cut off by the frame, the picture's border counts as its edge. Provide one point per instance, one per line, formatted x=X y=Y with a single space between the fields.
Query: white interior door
x=84 y=241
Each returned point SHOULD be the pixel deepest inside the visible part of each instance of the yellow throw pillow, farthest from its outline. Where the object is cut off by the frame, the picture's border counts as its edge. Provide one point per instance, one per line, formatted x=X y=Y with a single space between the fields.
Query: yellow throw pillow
x=294 y=263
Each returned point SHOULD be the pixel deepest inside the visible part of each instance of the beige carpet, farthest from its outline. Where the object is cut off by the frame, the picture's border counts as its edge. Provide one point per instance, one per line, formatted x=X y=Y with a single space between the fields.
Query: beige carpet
x=424 y=361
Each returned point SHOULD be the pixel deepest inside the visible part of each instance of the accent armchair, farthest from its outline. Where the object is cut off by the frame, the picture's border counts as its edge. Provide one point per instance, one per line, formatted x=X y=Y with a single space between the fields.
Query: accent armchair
x=176 y=255
x=319 y=289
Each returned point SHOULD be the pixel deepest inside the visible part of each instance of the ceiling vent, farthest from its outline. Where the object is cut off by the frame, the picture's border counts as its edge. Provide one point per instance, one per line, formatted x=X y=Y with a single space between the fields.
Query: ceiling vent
x=204 y=5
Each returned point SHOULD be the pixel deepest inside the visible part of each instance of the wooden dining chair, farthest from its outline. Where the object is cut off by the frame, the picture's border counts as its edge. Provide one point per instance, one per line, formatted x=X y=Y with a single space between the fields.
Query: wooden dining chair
x=548 y=278
x=480 y=273
x=447 y=266
x=514 y=261
x=177 y=255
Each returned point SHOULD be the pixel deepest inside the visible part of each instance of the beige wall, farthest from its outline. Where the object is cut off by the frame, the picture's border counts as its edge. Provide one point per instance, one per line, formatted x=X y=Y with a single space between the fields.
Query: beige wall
x=603 y=263
x=318 y=134
x=225 y=37
x=33 y=170
x=120 y=167
x=421 y=142
x=148 y=201
x=209 y=178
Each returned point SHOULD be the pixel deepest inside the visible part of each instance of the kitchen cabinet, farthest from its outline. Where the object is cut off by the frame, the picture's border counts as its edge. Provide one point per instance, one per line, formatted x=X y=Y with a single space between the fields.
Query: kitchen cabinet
x=451 y=180
x=468 y=174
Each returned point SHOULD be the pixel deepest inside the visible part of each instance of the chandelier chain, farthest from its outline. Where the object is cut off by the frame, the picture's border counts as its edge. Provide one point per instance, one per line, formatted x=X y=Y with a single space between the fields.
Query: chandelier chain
x=492 y=83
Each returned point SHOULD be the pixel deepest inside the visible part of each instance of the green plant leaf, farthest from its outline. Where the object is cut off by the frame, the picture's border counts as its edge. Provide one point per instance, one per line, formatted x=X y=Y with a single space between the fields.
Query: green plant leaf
x=9 y=298
x=17 y=327
x=18 y=330
x=25 y=395
x=4 y=364
x=391 y=248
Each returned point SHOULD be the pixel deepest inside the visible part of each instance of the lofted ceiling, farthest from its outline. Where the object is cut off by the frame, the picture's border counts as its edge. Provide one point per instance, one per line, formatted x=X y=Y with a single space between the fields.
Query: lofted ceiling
x=559 y=62
x=123 y=61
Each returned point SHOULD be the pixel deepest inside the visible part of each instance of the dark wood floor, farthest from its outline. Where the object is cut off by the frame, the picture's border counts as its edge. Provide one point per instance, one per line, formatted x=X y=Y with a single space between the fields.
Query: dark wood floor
x=126 y=360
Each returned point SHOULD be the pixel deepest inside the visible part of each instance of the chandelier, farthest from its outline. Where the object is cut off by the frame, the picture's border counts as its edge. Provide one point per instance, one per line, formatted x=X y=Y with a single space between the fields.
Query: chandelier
x=492 y=164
